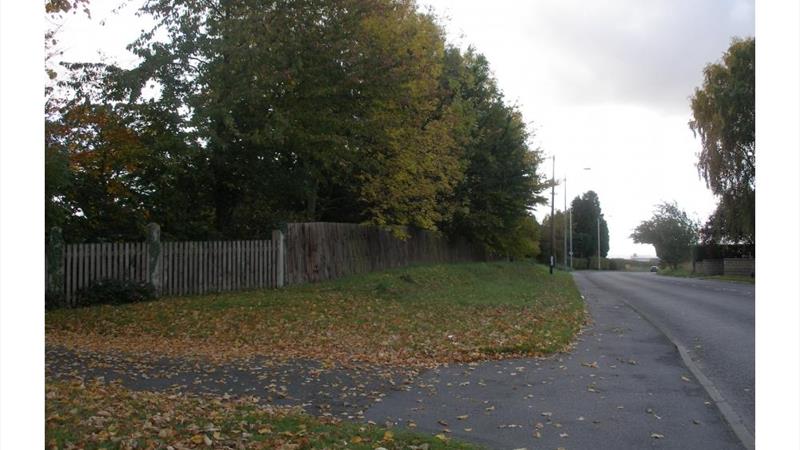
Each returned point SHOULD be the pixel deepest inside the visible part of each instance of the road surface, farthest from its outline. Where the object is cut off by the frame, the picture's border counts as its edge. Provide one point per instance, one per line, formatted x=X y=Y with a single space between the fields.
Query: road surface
x=713 y=320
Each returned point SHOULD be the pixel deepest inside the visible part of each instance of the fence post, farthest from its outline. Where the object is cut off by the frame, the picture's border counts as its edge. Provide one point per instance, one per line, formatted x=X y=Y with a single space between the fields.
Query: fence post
x=55 y=261
x=280 y=257
x=154 y=251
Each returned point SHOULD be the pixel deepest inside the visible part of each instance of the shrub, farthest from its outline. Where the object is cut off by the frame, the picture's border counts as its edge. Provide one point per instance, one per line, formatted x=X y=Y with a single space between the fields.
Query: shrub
x=115 y=292
x=53 y=300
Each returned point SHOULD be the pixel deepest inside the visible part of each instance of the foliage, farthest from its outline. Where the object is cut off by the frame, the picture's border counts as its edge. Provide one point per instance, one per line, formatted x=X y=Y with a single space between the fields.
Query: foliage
x=412 y=318
x=243 y=115
x=523 y=240
x=724 y=117
x=115 y=292
x=670 y=231
x=501 y=183
x=544 y=239
x=53 y=299
x=585 y=213
x=94 y=415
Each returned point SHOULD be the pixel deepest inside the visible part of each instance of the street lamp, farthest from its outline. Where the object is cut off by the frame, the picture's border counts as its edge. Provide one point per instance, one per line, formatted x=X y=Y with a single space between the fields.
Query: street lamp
x=552 y=228
x=552 y=215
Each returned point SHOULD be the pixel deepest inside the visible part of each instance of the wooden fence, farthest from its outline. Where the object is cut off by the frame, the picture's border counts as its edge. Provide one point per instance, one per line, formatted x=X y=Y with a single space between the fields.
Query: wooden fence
x=322 y=251
x=308 y=252
x=173 y=268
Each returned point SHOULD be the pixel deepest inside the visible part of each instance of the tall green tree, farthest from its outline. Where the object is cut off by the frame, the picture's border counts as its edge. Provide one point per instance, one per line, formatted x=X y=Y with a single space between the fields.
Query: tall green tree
x=556 y=221
x=586 y=211
x=337 y=104
x=671 y=231
x=723 y=110
x=56 y=158
x=243 y=114
x=501 y=183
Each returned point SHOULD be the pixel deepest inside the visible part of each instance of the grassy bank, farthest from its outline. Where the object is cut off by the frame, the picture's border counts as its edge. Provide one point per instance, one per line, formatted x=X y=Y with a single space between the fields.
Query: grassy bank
x=685 y=271
x=98 y=415
x=411 y=317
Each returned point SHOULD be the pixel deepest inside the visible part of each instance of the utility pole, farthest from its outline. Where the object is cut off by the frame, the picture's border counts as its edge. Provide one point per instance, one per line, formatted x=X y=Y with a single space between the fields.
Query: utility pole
x=552 y=214
x=565 y=222
x=598 y=242
x=570 y=237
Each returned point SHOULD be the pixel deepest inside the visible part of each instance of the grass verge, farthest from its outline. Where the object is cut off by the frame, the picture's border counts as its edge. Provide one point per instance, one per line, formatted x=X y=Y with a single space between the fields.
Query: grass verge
x=412 y=317
x=686 y=273
x=98 y=415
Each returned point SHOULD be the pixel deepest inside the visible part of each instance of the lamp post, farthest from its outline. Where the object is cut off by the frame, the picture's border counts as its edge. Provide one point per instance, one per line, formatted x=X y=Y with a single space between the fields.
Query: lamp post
x=565 y=222
x=552 y=212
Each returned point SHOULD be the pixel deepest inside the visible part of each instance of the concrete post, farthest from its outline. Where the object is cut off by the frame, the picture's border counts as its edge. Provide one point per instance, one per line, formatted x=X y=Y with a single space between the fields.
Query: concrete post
x=55 y=261
x=278 y=241
x=154 y=260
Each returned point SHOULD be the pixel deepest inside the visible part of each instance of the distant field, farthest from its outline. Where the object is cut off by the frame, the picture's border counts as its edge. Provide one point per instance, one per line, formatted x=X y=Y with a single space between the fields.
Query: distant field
x=412 y=317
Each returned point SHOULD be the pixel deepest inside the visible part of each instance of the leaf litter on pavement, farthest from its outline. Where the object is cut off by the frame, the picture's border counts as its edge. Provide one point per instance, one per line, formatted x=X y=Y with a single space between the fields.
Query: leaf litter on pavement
x=379 y=326
x=95 y=415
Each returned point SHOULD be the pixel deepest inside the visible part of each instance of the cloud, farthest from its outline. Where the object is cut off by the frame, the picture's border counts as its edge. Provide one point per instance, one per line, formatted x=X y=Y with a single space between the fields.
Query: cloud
x=597 y=52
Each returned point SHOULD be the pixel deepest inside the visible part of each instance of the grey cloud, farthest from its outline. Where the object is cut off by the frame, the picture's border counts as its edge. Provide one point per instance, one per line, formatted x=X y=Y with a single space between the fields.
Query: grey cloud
x=634 y=51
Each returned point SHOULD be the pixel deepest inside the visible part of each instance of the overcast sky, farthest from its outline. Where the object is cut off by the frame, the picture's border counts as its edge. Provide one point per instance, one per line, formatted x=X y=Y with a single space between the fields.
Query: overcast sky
x=604 y=84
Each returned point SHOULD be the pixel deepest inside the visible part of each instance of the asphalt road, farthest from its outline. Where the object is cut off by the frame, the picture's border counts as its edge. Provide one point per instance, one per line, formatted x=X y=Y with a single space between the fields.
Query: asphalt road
x=713 y=320
x=623 y=385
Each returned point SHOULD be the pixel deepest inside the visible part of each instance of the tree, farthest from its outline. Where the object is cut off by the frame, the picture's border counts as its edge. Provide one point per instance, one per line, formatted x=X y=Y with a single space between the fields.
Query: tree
x=724 y=118
x=337 y=105
x=500 y=183
x=522 y=240
x=586 y=211
x=670 y=231
x=544 y=240
x=244 y=114
x=56 y=161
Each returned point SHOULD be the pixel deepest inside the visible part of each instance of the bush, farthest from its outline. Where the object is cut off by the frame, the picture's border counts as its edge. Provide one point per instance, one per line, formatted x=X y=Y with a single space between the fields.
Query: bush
x=53 y=300
x=115 y=292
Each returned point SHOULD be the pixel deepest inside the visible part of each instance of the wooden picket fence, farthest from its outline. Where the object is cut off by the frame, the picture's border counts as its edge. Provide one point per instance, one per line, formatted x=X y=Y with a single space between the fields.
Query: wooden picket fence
x=182 y=268
x=86 y=263
x=308 y=252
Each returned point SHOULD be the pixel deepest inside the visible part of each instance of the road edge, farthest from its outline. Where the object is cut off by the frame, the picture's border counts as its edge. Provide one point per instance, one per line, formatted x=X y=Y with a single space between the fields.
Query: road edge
x=728 y=414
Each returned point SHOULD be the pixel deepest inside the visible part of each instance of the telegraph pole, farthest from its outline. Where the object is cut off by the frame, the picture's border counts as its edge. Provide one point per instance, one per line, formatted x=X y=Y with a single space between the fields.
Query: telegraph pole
x=570 y=237
x=552 y=217
x=565 y=222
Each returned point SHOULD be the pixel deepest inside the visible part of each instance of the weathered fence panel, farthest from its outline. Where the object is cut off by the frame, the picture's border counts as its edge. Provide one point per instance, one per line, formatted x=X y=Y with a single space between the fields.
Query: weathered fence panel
x=174 y=268
x=308 y=252
x=322 y=251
